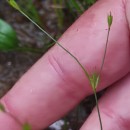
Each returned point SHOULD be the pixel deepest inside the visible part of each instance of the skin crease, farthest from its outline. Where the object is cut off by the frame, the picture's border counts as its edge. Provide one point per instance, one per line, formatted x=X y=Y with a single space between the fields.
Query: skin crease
x=56 y=83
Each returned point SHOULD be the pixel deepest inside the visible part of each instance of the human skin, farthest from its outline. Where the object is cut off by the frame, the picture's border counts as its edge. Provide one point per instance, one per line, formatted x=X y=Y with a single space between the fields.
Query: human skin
x=56 y=83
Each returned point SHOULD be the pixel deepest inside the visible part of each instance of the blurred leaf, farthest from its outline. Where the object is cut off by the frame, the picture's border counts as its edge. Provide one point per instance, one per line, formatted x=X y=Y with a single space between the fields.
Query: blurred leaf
x=8 y=37
x=2 y=108
x=75 y=5
x=90 y=2
x=59 y=13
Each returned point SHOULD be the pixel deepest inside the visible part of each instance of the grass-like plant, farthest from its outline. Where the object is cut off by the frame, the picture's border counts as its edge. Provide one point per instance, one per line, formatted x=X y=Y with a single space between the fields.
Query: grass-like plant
x=59 y=12
x=73 y=9
x=94 y=78
x=29 y=8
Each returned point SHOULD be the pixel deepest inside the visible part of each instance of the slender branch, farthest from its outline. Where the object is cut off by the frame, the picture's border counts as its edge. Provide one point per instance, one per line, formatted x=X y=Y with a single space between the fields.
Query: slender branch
x=98 y=110
x=96 y=84
x=75 y=58
x=110 y=20
x=105 y=51
x=94 y=79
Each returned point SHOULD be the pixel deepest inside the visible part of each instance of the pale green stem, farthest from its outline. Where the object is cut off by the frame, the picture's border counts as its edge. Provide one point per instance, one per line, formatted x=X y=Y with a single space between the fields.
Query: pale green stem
x=105 y=51
x=98 y=110
x=103 y=60
x=75 y=58
x=86 y=73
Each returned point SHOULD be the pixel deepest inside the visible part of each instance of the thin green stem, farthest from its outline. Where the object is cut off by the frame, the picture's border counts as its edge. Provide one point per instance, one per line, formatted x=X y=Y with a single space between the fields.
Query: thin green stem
x=15 y=5
x=94 y=89
x=75 y=58
x=94 y=79
x=105 y=51
x=98 y=110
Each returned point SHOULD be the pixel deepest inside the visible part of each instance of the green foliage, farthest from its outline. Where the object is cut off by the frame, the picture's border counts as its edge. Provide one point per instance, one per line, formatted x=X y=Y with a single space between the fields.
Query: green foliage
x=74 y=5
x=71 y=8
x=26 y=126
x=90 y=2
x=78 y=6
x=27 y=7
x=8 y=37
x=59 y=12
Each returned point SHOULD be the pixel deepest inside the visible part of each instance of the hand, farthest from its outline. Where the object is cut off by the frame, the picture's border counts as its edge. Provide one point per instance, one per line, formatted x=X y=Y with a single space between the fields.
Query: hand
x=56 y=83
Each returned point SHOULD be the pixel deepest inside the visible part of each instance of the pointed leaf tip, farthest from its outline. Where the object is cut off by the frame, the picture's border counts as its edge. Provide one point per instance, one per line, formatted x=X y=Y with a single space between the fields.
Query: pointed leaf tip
x=109 y=19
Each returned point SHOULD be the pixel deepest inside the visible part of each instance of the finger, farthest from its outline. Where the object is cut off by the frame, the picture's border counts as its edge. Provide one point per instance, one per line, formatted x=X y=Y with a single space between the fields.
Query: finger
x=114 y=108
x=56 y=83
